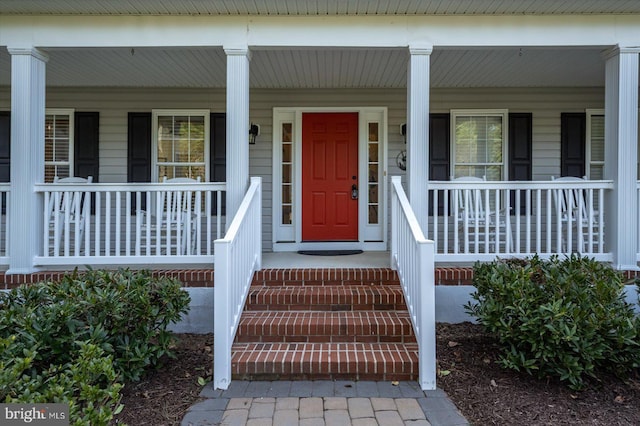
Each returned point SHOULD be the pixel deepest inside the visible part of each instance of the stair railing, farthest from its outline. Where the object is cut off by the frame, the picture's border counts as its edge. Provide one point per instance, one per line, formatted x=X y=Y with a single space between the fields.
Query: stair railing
x=238 y=256
x=412 y=256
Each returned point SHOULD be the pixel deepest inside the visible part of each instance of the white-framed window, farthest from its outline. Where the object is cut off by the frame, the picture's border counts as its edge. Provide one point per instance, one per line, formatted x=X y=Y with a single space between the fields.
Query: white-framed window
x=479 y=143
x=58 y=143
x=595 y=144
x=180 y=145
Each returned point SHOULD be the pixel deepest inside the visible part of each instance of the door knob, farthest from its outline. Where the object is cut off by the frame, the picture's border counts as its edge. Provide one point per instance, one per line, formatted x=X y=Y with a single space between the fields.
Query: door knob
x=354 y=192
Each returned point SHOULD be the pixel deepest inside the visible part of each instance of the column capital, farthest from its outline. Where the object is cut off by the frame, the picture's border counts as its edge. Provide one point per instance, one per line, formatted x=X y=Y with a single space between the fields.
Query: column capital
x=237 y=50
x=420 y=48
x=614 y=51
x=28 y=51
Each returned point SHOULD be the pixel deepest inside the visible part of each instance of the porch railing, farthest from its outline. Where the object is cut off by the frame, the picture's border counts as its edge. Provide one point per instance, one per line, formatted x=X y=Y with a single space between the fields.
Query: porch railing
x=132 y=223
x=479 y=220
x=238 y=256
x=413 y=257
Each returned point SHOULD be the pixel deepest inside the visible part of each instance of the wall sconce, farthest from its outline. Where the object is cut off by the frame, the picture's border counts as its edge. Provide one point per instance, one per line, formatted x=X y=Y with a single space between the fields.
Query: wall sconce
x=403 y=131
x=254 y=130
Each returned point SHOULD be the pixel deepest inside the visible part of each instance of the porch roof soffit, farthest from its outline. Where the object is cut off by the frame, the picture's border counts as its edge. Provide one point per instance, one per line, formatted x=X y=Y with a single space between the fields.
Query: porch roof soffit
x=319 y=68
x=318 y=7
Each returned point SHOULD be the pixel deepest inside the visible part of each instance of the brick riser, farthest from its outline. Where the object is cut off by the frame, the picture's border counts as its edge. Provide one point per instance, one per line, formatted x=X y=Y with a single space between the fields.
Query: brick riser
x=325 y=324
x=324 y=361
x=326 y=298
x=318 y=327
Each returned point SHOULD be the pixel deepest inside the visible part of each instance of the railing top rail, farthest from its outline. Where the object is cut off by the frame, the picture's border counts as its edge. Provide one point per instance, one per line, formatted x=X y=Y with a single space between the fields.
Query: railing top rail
x=234 y=227
x=418 y=235
x=528 y=184
x=4 y=186
x=150 y=186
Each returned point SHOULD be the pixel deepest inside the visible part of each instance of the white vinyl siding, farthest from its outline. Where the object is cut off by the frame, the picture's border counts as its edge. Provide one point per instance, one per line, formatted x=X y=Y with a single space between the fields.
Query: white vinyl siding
x=545 y=104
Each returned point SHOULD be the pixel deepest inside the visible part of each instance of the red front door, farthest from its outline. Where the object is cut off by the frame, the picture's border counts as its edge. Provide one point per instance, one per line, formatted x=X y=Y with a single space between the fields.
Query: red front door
x=329 y=173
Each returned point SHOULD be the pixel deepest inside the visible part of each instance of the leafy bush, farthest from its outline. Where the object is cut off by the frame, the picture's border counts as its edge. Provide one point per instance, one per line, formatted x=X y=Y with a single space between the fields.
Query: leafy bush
x=74 y=340
x=561 y=318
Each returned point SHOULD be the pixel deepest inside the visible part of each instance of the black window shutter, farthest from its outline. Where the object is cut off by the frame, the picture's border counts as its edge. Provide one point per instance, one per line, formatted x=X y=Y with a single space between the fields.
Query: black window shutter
x=218 y=153
x=520 y=151
x=86 y=149
x=572 y=142
x=439 y=152
x=5 y=152
x=139 y=151
x=139 y=147
x=5 y=146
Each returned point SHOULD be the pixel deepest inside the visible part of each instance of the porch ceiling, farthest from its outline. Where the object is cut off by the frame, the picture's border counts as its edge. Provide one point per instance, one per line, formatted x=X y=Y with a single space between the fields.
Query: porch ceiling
x=319 y=68
x=318 y=7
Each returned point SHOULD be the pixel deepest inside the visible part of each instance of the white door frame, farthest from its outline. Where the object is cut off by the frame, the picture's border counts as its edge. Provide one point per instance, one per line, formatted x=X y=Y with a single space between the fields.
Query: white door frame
x=371 y=237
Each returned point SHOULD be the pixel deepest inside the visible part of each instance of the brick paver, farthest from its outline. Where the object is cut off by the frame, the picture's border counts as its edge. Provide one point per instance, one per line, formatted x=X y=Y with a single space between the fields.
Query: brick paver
x=323 y=404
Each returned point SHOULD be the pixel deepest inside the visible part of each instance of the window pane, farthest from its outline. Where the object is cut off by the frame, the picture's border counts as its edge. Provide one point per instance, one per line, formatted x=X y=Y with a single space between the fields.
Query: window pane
x=597 y=138
x=373 y=172
x=373 y=152
x=61 y=151
x=62 y=128
x=181 y=139
x=286 y=173
x=48 y=150
x=286 y=153
x=286 y=194
x=373 y=194
x=373 y=214
x=286 y=132
x=373 y=132
x=286 y=215
x=597 y=172
x=478 y=146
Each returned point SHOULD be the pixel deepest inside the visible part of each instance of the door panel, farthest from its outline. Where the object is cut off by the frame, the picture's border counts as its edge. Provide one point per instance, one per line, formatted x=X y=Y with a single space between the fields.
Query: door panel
x=329 y=169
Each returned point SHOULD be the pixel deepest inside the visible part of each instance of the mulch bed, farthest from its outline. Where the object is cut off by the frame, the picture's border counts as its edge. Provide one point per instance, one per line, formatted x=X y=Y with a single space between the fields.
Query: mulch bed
x=484 y=393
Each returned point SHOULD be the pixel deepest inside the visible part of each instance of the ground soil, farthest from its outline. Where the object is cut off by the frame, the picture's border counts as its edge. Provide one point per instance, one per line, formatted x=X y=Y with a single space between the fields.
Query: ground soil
x=485 y=393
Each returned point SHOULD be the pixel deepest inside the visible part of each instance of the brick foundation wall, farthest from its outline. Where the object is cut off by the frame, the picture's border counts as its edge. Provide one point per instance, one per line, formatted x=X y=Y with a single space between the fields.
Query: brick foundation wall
x=450 y=276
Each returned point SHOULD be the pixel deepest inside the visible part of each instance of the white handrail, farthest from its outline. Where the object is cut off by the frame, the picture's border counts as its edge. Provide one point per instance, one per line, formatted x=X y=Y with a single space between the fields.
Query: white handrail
x=412 y=256
x=238 y=256
x=133 y=223
x=479 y=220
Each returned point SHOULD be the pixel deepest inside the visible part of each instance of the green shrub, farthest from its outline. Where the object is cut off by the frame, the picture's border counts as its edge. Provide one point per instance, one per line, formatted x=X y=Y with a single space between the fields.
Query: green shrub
x=560 y=318
x=76 y=339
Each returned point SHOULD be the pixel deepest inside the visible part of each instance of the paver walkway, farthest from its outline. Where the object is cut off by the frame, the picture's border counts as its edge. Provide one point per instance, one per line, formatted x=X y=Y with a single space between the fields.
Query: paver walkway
x=331 y=403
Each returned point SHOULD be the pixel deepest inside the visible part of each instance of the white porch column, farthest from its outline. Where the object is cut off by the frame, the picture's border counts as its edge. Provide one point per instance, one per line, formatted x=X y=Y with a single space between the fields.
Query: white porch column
x=237 y=127
x=418 y=130
x=621 y=154
x=27 y=156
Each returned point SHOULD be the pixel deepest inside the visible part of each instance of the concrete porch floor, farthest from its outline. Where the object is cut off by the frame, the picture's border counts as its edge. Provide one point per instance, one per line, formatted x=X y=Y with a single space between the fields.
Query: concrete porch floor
x=368 y=259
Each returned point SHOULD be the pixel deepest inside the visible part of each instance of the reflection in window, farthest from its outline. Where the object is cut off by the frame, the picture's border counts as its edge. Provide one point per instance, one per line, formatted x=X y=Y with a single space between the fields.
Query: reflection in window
x=181 y=147
x=478 y=143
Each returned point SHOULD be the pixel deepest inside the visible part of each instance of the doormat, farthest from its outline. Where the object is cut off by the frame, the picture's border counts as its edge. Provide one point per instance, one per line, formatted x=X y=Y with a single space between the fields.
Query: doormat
x=329 y=252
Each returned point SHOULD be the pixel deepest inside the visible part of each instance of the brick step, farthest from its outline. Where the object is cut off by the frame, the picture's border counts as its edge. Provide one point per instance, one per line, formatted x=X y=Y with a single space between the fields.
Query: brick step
x=325 y=361
x=329 y=298
x=326 y=277
x=306 y=326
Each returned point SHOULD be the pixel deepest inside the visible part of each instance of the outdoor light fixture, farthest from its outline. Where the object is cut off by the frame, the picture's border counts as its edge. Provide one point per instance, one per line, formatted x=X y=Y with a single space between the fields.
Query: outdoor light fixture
x=403 y=131
x=254 y=130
